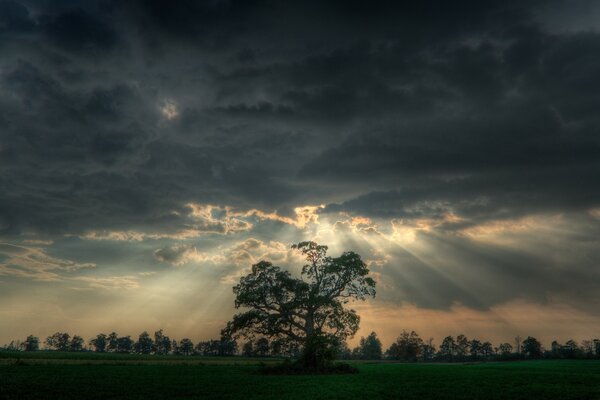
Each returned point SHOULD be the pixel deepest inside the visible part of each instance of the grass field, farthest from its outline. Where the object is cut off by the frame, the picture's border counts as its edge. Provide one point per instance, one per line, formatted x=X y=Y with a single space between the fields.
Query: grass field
x=76 y=376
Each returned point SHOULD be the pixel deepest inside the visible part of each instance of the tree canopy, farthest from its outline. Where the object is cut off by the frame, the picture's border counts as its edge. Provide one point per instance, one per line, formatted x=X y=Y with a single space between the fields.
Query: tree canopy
x=308 y=311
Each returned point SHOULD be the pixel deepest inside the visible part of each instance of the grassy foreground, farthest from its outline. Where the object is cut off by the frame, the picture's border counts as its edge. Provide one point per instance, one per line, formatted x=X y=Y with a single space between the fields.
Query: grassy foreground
x=77 y=376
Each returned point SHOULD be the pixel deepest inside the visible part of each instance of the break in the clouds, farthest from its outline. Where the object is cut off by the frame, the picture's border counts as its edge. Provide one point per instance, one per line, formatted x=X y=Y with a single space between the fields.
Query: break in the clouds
x=151 y=151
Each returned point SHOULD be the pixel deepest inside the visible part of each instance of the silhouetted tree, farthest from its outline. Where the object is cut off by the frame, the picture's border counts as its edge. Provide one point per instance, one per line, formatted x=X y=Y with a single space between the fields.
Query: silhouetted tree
x=186 y=347
x=112 y=342
x=407 y=347
x=60 y=341
x=262 y=347
x=532 y=348
x=162 y=343
x=462 y=346
x=505 y=349
x=144 y=345
x=428 y=350
x=308 y=311
x=125 y=344
x=447 y=349
x=248 y=349
x=32 y=343
x=571 y=349
x=77 y=343
x=277 y=347
x=587 y=348
x=369 y=348
x=487 y=350
x=99 y=343
x=475 y=349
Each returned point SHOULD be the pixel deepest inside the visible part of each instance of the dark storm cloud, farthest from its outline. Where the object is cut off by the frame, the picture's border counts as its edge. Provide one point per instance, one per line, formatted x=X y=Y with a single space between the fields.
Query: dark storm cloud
x=115 y=115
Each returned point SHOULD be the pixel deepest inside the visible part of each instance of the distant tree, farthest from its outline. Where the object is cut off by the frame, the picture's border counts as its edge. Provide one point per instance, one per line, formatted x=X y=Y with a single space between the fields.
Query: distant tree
x=475 y=349
x=532 y=348
x=32 y=343
x=505 y=349
x=309 y=311
x=162 y=343
x=596 y=344
x=125 y=344
x=60 y=341
x=223 y=347
x=428 y=350
x=144 y=345
x=587 y=348
x=248 y=349
x=227 y=345
x=407 y=347
x=555 y=349
x=175 y=347
x=99 y=343
x=186 y=347
x=571 y=349
x=462 y=346
x=112 y=342
x=447 y=349
x=277 y=347
x=262 y=347
x=487 y=350
x=369 y=348
x=77 y=343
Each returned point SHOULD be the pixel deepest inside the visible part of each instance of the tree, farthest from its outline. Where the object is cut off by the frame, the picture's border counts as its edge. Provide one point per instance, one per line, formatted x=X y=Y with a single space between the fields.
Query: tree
x=587 y=348
x=60 y=341
x=124 y=344
x=32 y=343
x=186 y=347
x=262 y=347
x=77 y=343
x=447 y=348
x=571 y=349
x=248 y=349
x=162 y=343
x=487 y=349
x=462 y=346
x=99 y=343
x=428 y=350
x=144 y=344
x=370 y=347
x=309 y=311
x=224 y=347
x=113 y=341
x=532 y=347
x=407 y=347
x=475 y=349
x=505 y=350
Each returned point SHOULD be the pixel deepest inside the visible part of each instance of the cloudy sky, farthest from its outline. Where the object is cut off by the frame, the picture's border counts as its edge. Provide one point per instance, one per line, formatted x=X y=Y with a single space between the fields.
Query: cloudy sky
x=151 y=151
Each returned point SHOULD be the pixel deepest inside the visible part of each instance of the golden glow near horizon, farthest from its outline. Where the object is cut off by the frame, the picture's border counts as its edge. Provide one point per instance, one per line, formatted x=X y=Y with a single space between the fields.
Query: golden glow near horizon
x=179 y=276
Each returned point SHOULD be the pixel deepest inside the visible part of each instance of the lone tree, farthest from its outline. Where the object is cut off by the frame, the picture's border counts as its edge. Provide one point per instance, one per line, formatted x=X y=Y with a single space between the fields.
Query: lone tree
x=309 y=311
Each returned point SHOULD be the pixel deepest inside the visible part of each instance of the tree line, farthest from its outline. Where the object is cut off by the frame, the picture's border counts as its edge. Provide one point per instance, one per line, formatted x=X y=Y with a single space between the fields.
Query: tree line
x=408 y=347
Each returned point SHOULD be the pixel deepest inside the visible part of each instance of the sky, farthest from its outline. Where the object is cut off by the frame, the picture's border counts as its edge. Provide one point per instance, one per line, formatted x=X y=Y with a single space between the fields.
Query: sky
x=152 y=151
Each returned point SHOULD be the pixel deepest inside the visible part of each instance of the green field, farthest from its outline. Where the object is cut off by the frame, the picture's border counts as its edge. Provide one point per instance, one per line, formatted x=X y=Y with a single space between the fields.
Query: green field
x=84 y=375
